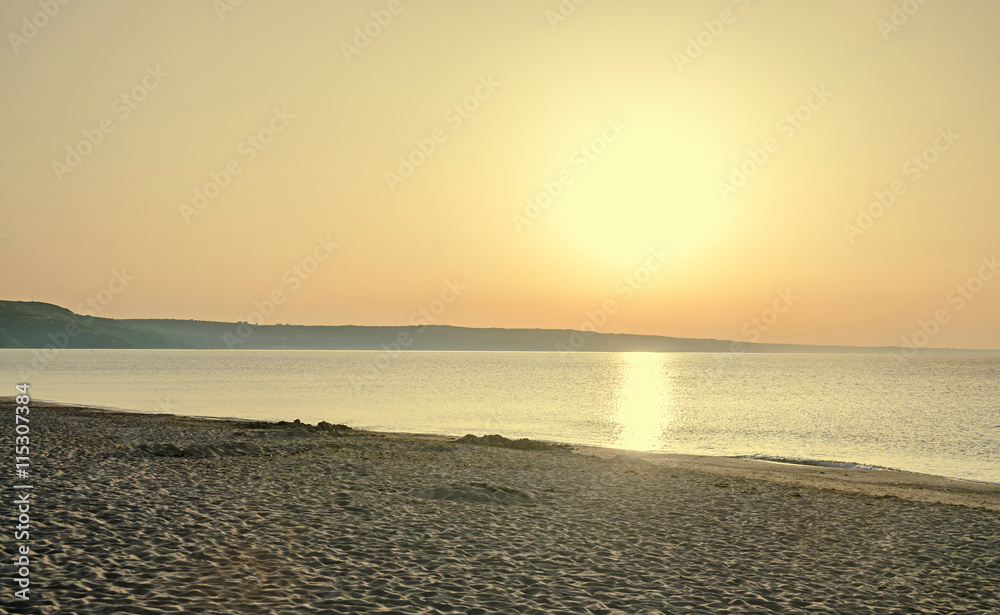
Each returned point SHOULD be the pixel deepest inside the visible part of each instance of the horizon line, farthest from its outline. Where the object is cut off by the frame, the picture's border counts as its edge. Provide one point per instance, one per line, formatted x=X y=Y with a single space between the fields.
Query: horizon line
x=867 y=349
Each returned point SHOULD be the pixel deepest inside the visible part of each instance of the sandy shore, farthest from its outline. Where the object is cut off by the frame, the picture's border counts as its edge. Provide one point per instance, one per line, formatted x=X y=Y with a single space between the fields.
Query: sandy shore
x=136 y=513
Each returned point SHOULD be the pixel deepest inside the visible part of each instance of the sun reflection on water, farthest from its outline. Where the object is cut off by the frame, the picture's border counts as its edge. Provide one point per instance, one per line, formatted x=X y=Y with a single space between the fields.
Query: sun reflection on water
x=642 y=401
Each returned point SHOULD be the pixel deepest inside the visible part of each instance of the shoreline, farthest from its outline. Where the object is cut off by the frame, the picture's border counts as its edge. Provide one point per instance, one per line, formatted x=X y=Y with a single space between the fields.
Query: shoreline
x=166 y=514
x=881 y=482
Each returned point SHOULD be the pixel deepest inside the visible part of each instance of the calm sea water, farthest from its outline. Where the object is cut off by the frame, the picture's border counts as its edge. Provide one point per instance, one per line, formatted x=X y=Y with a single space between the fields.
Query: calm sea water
x=934 y=414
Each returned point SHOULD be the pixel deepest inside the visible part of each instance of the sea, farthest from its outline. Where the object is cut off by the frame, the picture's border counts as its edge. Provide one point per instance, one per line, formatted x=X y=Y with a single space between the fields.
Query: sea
x=935 y=414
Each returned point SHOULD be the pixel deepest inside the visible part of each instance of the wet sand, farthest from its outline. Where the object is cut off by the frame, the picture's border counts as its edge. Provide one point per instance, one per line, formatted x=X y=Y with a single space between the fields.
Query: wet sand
x=139 y=513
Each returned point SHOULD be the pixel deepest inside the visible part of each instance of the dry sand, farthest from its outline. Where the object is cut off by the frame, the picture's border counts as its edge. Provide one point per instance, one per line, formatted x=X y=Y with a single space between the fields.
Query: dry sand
x=298 y=520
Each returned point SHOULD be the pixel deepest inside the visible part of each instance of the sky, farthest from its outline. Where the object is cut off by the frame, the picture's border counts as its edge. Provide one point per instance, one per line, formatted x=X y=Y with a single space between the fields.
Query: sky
x=780 y=171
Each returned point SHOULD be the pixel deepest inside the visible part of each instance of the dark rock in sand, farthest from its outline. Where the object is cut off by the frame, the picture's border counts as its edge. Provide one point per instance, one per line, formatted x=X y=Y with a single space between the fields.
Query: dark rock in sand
x=324 y=426
x=629 y=461
x=523 y=444
x=297 y=432
x=477 y=493
x=299 y=426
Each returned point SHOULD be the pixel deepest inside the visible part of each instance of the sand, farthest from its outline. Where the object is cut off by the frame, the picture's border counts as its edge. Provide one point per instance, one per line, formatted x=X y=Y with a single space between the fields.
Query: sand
x=138 y=513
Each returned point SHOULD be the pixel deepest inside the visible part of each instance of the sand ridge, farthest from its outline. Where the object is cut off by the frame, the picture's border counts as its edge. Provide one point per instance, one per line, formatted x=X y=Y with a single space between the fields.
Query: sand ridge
x=352 y=522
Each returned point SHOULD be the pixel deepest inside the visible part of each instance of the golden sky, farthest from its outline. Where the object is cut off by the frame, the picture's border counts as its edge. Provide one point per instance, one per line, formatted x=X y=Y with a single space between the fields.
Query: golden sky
x=781 y=171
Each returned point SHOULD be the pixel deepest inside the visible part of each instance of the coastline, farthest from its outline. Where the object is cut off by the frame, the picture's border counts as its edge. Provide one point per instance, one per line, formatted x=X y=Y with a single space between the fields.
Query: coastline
x=178 y=514
x=953 y=437
x=879 y=482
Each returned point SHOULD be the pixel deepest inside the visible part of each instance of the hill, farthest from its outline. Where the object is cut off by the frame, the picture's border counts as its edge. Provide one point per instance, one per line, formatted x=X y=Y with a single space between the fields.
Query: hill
x=32 y=324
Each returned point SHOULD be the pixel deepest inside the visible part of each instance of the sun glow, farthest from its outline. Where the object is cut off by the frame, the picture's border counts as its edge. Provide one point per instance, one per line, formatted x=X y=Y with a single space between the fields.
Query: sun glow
x=642 y=401
x=645 y=190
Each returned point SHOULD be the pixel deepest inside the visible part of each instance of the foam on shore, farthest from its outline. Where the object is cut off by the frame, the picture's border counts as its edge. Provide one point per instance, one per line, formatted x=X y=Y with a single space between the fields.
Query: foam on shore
x=826 y=463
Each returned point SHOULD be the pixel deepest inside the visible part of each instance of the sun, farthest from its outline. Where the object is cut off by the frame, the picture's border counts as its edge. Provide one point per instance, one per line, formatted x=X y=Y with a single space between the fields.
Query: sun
x=645 y=191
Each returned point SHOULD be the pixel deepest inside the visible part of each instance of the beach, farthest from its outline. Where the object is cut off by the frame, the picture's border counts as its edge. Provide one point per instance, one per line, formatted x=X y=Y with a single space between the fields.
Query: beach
x=155 y=513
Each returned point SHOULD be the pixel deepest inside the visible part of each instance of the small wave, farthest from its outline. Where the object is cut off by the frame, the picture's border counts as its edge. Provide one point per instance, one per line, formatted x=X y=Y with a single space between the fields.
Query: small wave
x=826 y=463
